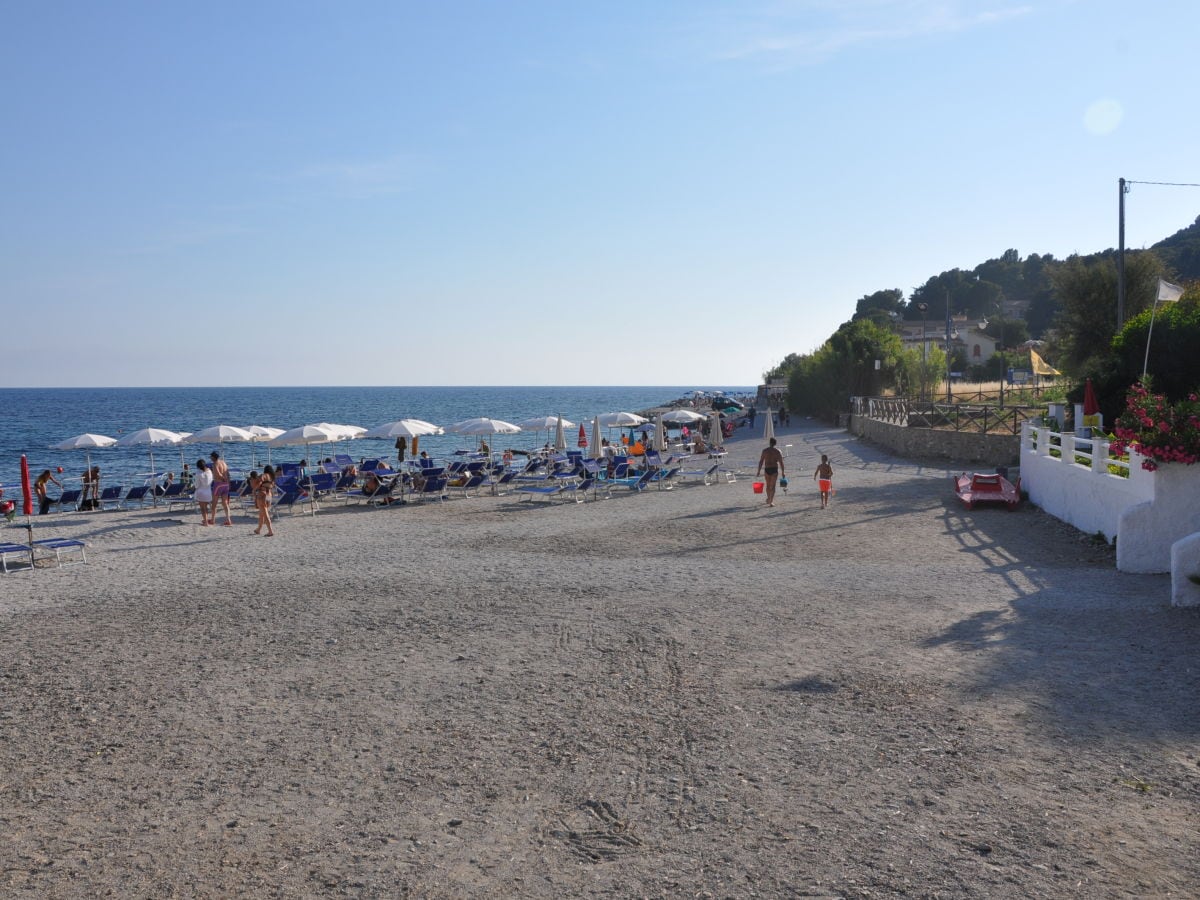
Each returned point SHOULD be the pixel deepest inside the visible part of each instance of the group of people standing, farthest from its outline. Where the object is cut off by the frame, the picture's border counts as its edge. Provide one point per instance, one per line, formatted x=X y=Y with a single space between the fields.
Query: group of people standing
x=771 y=468
x=211 y=486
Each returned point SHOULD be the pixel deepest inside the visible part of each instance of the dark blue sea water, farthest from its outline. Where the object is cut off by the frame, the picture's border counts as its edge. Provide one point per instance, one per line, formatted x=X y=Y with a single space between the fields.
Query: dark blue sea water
x=36 y=418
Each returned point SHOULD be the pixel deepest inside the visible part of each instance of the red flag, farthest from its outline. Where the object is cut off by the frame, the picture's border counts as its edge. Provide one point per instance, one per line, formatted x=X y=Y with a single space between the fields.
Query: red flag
x=582 y=436
x=26 y=488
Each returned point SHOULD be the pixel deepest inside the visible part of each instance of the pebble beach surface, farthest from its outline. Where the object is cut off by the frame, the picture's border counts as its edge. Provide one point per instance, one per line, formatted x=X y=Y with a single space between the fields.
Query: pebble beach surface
x=669 y=694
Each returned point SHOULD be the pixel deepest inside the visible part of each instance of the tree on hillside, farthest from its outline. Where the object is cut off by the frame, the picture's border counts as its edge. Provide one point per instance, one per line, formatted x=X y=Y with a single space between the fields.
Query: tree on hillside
x=784 y=369
x=823 y=382
x=880 y=306
x=1180 y=253
x=1087 y=291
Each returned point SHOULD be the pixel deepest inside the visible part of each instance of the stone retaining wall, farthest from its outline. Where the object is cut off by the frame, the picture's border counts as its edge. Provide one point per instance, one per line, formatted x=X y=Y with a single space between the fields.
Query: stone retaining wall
x=960 y=446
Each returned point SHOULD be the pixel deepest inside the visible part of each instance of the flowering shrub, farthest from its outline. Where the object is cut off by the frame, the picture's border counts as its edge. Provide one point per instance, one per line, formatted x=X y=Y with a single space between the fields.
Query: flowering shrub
x=1159 y=430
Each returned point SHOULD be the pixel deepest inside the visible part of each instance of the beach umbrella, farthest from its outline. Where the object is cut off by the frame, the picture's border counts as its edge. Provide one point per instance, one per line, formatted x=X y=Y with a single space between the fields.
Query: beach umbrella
x=150 y=437
x=409 y=428
x=218 y=434
x=683 y=417
x=716 y=433
x=1090 y=406
x=483 y=425
x=345 y=432
x=583 y=441
x=597 y=443
x=659 y=439
x=560 y=439
x=768 y=425
x=27 y=502
x=620 y=420
x=262 y=433
x=305 y=435
x=85 y=442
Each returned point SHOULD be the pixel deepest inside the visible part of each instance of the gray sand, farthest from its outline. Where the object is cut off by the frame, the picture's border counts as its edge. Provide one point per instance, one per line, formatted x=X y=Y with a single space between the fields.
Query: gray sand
x=674 y=694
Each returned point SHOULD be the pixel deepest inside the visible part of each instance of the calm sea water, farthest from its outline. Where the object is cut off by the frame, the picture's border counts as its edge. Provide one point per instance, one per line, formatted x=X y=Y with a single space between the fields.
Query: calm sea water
x=36 y=418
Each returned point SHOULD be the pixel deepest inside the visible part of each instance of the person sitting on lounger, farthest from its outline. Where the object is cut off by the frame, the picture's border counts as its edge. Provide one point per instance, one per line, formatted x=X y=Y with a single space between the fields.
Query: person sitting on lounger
x=371 y=485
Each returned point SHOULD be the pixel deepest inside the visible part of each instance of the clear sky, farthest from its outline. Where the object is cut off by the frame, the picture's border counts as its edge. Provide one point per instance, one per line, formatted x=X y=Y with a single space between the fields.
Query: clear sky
x=506 y=192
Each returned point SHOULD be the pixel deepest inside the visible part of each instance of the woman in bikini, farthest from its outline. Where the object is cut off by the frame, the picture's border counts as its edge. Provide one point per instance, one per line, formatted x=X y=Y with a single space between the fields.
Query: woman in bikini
x=263 y=487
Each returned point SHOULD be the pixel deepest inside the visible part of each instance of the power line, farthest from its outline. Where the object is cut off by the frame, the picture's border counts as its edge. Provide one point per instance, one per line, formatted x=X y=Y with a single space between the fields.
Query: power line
x=1162 y=183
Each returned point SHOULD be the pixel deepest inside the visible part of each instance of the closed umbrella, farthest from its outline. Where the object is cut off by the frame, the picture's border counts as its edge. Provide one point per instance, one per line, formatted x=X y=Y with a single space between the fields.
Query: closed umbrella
x=660 y=439
x=1090 y=406
x=583 y=441
x=560 y=439
x=27 y=502
x=597 y=443
x=716 y=432
x=768 y=425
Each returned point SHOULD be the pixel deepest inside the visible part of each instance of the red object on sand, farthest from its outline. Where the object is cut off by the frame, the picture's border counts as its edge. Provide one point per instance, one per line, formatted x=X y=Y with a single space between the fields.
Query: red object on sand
x=582 y=436
x=26 y=487
x=977 y=488
x=1090 y=406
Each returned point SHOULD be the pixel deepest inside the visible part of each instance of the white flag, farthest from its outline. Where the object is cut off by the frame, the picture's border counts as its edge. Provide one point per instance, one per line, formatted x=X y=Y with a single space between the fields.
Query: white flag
x=1167 y=292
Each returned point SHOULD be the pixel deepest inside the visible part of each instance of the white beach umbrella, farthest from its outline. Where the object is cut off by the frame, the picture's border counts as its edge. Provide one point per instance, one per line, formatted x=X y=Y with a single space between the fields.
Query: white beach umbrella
x=87 y=443
x=262 y=434
x=218 y=434
x=620 y=420
x=543 y=423
x=597 y=451
x=660 y=438
x=715 y=433
x=306 y=436
x=344 y=432
x=560 y=438
x=483 y=425
x=151 y=437
x=683 y=417
x=408 y=428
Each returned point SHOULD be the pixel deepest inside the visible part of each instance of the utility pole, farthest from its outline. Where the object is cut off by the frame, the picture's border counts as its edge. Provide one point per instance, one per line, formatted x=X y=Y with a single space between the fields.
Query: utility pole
x=949 y=395
x=1122 y=190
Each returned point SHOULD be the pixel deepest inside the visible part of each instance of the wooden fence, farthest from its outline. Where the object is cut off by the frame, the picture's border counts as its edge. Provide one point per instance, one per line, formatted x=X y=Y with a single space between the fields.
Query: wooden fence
x=970 y=417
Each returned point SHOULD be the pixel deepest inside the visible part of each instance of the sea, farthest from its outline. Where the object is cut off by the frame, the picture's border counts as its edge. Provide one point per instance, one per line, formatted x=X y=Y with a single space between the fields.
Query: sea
x=35 y=419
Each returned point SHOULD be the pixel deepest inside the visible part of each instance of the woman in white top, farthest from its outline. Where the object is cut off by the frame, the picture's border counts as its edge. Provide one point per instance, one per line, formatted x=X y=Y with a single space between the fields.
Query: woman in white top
x=203 y=484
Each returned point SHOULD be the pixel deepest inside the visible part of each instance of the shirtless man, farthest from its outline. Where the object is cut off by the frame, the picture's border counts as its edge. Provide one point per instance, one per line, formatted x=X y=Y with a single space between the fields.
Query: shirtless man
x=770 y=466
x=220 y=488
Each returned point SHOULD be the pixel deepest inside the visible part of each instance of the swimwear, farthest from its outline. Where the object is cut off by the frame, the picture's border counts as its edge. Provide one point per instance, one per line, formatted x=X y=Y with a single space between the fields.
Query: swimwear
x=221 y=489
x=825 y=484
x=771 y=470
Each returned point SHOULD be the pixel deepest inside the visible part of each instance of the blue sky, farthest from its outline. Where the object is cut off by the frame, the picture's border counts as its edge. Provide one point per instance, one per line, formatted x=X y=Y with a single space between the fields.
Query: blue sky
x=547 y=192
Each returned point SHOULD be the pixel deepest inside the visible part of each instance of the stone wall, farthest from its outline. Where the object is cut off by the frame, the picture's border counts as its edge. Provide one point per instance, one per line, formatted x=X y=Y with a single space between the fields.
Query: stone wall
x=959 y=446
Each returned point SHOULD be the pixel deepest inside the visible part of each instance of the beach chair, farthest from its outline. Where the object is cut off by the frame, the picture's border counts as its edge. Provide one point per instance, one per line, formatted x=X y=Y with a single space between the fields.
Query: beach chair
x=17 y=550
x=136 y=496
x=711 y=475
x=343 y=460
x=500 y=484
x=471 y=483
x=664 y=479
x=289 y=500
x=635 y=483
x=176 y=495
x=578 y=490
x=68 y=501
x=60 y=546
x=110 y=497
x=546 y=491
x=433 y=486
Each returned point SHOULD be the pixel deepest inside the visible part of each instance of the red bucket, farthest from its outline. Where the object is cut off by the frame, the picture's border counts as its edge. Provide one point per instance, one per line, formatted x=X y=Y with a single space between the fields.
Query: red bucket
x=758 y=487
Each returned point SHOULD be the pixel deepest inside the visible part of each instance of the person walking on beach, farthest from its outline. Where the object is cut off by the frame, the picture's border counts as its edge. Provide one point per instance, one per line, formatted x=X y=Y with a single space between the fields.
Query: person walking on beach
x=220 y=475
x=39 y=487
x=824 y=479
x=203 y=482
x=262 y=487
x=770 y=466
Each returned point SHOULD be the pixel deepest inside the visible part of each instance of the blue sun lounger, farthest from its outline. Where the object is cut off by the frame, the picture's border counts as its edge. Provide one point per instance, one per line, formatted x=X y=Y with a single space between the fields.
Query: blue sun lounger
x=59 y=546
x=19 y=550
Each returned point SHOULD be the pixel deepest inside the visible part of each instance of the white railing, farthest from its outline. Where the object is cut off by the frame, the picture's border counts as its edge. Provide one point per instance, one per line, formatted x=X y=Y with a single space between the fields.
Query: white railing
x=1079 y=481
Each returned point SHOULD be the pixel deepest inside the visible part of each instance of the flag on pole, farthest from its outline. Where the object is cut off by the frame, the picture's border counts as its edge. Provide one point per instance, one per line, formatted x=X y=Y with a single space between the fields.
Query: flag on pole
x=1167 y=292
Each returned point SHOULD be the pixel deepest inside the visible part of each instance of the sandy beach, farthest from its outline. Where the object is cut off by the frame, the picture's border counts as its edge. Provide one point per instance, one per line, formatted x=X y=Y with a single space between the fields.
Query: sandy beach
x=669 y=694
